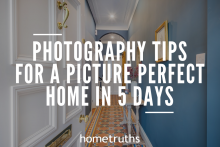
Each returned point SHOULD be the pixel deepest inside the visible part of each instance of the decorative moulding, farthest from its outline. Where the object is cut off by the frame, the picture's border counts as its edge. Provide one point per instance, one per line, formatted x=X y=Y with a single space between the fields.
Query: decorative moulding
x=16 y=92
x=77 y=4
x=68 y=116
x=74 y=140
x=15 y=58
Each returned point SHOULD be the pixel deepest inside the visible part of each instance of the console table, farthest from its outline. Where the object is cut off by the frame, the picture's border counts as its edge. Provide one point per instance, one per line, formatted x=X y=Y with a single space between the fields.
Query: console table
x=128 y=121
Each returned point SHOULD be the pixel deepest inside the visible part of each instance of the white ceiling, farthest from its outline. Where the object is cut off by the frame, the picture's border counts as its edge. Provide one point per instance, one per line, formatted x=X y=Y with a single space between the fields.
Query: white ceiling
x=113 y=14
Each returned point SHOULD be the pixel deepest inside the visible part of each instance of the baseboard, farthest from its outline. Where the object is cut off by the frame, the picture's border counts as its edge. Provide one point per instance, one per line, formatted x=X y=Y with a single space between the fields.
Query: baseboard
x=142 y=132
x=90 y=114
x=145 y=138
x=114 y=92
x=90 y=117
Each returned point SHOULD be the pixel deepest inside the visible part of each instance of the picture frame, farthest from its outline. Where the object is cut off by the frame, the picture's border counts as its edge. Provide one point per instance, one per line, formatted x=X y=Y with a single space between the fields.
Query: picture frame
x=137 y=56
x=161 y=34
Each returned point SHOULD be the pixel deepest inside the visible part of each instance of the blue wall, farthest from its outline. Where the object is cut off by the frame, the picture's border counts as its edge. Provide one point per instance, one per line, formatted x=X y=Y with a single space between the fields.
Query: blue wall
x=213 y=80
x=187 y=22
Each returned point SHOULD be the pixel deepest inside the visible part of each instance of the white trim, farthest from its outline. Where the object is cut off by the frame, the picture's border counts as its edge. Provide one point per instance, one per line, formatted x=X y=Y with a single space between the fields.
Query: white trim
x=129 y=13
x=93 y=6
x=142 y=132
x=93 y=50
x=90 y=114
x=38 y=136
x=132 y=14
x=90 y=117
x=74 y=140
x=47 y=34
x=13 y=34
x=113 y=42
x=79 y=31
x=101 y=27
x=115 y=92
x=145 y=138
x=68 y=116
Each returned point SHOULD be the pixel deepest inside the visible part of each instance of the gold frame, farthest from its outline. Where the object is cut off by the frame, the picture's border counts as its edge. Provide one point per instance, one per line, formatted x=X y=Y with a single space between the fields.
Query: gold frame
x=165 y=25
x=123 y=62
x=137 y=51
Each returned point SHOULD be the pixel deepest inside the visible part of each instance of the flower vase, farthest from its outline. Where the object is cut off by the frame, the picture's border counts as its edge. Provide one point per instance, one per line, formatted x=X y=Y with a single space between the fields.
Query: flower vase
x=133 y=83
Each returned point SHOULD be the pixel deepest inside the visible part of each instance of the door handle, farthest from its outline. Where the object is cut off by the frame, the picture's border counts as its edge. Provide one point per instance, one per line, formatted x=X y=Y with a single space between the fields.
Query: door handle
x=85 y=118
x=60 y=6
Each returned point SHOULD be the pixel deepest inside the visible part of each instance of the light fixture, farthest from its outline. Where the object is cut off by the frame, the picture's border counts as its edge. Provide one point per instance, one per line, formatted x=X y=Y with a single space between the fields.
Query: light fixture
x=112 y=37
x=112 y=16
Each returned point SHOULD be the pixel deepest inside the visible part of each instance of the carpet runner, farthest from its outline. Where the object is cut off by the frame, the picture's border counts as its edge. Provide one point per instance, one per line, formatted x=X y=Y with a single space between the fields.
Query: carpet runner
x=106 y=121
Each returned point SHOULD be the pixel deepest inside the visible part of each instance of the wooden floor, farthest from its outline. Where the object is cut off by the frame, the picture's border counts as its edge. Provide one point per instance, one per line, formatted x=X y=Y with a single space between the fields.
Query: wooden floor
x=113 y=102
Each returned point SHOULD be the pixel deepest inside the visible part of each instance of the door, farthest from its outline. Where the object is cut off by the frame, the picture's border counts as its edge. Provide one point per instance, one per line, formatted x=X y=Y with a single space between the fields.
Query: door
x=123 y=62
x=93 y=80
x=32 y=122
x=114 y=86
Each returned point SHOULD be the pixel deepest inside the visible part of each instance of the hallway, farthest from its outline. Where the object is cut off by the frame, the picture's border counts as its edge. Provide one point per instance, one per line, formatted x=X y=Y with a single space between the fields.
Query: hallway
x=58 y=58
x=105 y=121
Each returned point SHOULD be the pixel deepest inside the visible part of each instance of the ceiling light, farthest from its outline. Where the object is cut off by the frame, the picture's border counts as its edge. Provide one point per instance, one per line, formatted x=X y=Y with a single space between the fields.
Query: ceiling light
x=112 y=16
x=112 y=37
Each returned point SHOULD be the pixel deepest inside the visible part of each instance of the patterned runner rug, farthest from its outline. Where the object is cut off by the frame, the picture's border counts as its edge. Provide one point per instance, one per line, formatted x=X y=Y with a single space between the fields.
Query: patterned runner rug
x=106 y=121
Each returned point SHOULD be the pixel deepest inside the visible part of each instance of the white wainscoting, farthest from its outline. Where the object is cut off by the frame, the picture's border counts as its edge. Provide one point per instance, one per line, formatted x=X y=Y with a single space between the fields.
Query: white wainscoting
x=30 y=94
x=23 y=27
x=77 y=110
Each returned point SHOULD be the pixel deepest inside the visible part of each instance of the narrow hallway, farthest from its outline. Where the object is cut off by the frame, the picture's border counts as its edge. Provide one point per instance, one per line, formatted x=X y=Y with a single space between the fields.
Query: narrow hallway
x=105 y=121
x=59 y=58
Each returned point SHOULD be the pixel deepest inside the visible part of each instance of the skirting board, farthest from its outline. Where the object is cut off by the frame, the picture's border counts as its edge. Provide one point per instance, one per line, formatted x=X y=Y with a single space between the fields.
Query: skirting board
x=90 y=117
x=142 y=132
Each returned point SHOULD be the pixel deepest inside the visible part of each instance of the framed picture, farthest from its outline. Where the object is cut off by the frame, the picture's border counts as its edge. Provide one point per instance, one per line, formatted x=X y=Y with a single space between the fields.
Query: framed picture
x=161 y=34
x=137 y=56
